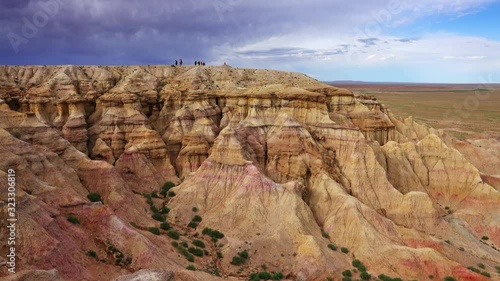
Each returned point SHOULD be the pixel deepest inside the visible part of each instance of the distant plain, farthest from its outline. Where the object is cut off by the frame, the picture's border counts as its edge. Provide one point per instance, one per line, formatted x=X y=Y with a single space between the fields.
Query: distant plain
x=463 y=110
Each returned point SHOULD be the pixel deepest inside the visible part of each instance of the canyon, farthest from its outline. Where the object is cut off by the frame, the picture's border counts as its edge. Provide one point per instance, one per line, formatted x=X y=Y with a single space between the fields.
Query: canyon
x=298 y=177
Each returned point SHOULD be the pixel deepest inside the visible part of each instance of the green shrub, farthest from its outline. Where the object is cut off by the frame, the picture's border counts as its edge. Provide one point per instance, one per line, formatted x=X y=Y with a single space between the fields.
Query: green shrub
x=346 y=279
x=431 y=276
x=365 y=275
x=128 y=260
x=485 y=273
x=133 y=224
x=277 y=276
x=154 y=194
x=94 y=197
x=196 y=218
x=196 y=251
x=190 y=257
x=325 y=234
x=194 y=209
x=175 y=244
x=165 y=226
x=449 y=278
x=192 y=224
x=485 y=238
x=347 y=273
x=213 y=233
x=173 y=234
x=164 y=210
x=344 y=250
x=171 y=194
x=191 y=267
x=447 y=241
x=480 y=265
x=332 y=247
x=167 y=186
x=154 y=230
x=199 y=243
x=471 y=268
x=243 y=254
x=357 y=264
x=158 y=217
x=219 y=255
x=73 y=220
x=91 y=253
x=497 y=268
x=461 y=249
x=254 y=277
x=237 y=260
x=265 y=275
x=184 y=244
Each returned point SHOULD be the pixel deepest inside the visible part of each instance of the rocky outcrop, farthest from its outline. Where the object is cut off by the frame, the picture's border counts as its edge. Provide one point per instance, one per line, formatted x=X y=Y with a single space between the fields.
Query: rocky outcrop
x=287 y=168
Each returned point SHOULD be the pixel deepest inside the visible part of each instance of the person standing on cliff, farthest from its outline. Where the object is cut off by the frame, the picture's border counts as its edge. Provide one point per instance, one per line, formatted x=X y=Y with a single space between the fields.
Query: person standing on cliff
x=180 y=62
x=175 y=62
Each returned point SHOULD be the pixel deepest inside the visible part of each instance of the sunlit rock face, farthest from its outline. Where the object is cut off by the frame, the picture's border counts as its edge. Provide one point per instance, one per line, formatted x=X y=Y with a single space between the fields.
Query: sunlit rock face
x=287 y=168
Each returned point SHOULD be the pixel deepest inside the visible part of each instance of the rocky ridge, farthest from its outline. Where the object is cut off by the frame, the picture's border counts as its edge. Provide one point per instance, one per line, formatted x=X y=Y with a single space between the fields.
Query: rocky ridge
x=286 y=167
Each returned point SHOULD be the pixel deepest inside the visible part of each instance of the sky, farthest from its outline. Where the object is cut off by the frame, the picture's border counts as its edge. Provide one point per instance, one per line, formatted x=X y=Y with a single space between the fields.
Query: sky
x=425 y=41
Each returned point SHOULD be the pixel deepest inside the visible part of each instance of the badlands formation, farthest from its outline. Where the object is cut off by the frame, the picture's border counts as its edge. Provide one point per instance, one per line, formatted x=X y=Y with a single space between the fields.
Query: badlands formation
x=300 y=177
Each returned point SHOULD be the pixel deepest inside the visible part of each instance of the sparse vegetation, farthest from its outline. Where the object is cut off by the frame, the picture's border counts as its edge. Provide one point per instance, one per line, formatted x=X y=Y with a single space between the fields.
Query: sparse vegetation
x=92 y=254
x=174 y=234
x=359 y=265
x=365 y=275
x=133 y=224
x=471 y=268
x=171 y=194
x=196 y=251
x=194 y=209
x=332 y=247
x=240 y=258
x=264 y=275
x=158 y=217
x=73 y=219
x=485 y=238
x=94 y=197
x=166 y=188
x=325 y=234
x=199 y=243
x=485 y=273
x=197 y=219
x=449 y=278
x=384 y=277
x=344 y=250
x=154 y=230
x=480 y=265
x=347 y=273
x=191 y=267
x=213 y=233
x=165 y=226
x=461 y=249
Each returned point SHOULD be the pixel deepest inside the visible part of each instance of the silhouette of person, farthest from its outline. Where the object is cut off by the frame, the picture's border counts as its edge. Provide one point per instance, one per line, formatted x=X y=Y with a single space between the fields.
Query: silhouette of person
x=175 y=62
x=203 y=63
x=180 y=62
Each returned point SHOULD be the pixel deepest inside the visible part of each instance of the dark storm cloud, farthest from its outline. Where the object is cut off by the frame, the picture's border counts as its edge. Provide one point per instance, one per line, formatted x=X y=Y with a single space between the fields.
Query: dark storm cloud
x=129 y=32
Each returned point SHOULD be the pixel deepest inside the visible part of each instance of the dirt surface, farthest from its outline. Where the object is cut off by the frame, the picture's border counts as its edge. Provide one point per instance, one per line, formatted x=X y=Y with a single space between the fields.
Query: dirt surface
x=463 y=110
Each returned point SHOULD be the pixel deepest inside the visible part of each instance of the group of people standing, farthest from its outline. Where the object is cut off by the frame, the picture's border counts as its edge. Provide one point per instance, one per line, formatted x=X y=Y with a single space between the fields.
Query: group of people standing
x=198 y=62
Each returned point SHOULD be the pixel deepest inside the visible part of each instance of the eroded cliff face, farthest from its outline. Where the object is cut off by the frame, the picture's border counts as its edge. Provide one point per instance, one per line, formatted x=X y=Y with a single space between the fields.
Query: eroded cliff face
x=287 y=168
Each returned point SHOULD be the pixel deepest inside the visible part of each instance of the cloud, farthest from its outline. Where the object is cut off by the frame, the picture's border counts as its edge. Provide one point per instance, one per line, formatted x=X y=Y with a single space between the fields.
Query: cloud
x=285 y=32
x=369 y=41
